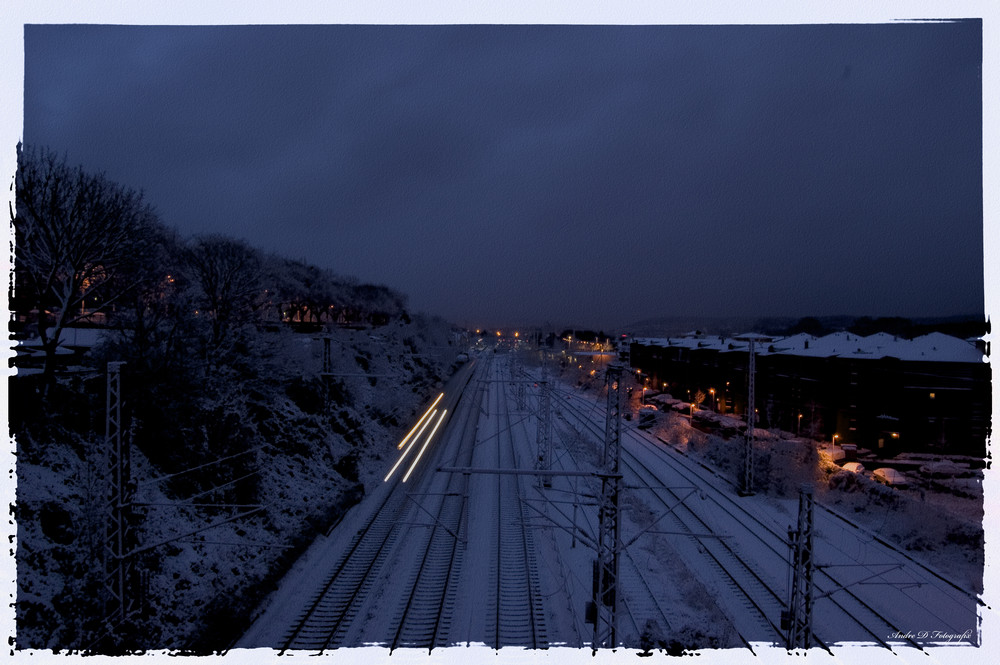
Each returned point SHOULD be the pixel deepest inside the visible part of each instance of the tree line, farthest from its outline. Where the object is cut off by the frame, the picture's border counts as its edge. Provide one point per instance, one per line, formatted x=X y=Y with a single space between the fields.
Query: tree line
x=90 y=251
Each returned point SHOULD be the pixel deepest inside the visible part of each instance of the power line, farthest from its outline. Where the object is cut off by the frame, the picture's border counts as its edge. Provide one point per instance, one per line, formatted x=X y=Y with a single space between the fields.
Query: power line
x=219 y=487
x=146 y=548
x=206 y=464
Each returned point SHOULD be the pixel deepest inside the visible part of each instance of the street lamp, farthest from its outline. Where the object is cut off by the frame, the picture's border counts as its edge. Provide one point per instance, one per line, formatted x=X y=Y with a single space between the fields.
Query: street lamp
x=798 y=426
x=835 y=436
x=711 y=391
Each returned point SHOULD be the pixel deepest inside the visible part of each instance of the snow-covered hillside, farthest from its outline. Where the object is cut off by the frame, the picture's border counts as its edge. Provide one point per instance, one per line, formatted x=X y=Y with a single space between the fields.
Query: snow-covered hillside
x=272 y=439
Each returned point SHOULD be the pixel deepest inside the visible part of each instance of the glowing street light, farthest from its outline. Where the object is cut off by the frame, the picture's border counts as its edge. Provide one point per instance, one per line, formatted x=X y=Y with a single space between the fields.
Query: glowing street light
x=711 y=391
x=798 y=426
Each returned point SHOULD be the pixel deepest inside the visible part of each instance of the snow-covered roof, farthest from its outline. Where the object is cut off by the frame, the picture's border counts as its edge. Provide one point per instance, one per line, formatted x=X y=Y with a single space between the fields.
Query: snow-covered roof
x=83 y=337
x=940 y=347
x=70 y=337
x=755 y=336
x=935 y=347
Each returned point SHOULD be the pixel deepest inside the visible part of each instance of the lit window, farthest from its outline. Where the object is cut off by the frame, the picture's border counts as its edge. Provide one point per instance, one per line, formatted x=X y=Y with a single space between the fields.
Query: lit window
x=932 y=395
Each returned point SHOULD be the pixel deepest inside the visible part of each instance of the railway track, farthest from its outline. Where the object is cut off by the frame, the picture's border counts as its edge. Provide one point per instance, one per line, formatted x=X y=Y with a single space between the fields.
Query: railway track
x=749 y=601
x=855 y=618
x=518 y=614
x=430 y=512
x=644 y=612
x=406 y=579
x=333 y=607
x=425 y=618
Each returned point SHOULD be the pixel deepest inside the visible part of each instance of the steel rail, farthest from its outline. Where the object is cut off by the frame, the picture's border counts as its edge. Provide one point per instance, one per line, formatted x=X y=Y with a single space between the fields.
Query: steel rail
x=853 y=598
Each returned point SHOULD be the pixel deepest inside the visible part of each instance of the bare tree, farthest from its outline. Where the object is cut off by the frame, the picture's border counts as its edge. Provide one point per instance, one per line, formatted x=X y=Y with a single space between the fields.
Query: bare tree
x=699 y=397
x=78 y=237
x=155 y=319
x=226 y=276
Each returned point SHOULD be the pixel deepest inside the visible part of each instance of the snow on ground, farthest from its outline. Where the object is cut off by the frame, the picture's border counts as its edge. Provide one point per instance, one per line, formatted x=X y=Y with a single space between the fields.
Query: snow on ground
x=938 y=520
x=202 y=586
x=936 y=523
x=695 y=620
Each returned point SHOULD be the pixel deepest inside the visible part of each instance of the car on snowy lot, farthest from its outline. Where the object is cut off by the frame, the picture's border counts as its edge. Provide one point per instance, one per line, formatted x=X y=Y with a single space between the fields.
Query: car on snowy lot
x=854 y=467
x=946 y=469
x=891 y=477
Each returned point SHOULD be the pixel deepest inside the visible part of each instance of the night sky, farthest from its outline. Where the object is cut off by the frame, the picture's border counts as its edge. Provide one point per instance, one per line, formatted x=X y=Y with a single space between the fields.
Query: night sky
x=593 y=175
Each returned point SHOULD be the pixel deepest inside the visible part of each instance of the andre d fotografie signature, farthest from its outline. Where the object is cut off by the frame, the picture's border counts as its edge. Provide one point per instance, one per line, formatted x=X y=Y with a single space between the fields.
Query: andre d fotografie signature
x=937 y=635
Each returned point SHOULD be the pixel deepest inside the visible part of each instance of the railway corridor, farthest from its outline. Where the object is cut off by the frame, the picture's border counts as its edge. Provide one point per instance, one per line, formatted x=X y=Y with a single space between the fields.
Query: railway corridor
x=396 y=571
x=865 y=591
x=449 y=558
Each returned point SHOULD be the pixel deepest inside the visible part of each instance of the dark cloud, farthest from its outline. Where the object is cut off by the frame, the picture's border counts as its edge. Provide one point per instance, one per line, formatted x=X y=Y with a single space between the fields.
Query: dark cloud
x=592 y=173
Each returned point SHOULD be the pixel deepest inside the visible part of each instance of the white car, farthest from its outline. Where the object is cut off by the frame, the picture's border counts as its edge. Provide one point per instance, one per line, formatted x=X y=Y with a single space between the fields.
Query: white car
x=854 y=467
x=891 y=477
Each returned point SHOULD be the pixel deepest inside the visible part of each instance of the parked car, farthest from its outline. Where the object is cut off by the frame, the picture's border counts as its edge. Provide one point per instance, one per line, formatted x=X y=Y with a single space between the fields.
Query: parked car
x=854 y=467
x=891 y=477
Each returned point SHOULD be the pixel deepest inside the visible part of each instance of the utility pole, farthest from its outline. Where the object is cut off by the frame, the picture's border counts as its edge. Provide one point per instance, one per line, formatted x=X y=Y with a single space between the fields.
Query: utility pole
x=544 y=435
x=325 y=374
x=326 y=355
x=515 y=373
x=624 y=351
x=747 y=484
x=799 y=616
x=118 y=564
x=606 y=596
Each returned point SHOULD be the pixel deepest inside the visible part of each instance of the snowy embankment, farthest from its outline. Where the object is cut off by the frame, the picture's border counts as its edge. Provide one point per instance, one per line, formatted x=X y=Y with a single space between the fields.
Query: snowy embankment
x=938 y=521
x=939 y=527
x=272 y=439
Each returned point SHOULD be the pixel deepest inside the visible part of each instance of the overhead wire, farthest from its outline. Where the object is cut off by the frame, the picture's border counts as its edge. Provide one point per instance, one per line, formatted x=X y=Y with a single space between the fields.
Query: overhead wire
x=205 y=465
